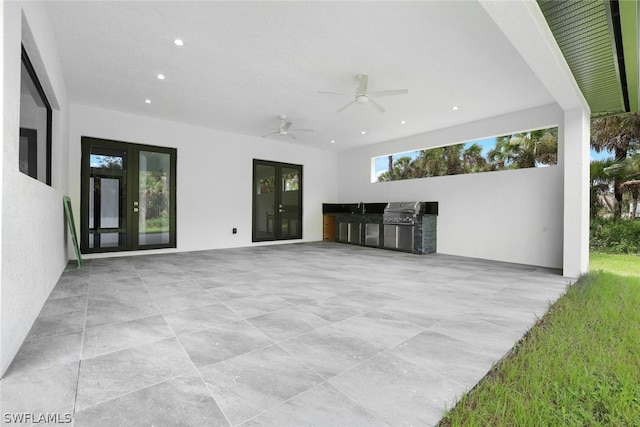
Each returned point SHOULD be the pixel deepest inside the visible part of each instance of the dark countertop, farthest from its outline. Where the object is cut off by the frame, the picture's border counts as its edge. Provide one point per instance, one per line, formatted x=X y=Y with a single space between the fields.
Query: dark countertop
x=428 y=208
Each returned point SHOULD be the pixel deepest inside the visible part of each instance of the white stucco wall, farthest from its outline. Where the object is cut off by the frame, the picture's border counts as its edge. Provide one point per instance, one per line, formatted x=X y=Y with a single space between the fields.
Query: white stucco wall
x=3 y=116
x=214 y=174
x=33 y=230
x=513 y=216
x=577 y=128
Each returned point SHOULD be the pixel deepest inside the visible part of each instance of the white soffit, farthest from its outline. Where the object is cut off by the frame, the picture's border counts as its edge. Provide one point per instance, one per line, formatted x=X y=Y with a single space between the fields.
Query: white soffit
x=245 y=63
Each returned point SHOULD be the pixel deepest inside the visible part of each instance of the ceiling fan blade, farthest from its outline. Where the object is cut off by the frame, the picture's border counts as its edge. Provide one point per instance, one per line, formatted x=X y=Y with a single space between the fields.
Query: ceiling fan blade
x=286 y=126
x=364 y=82
x=384 y=93
x=303 y=130
x=269 y=134
x=334 y=93
x=351 y=103
x=376 y=105
x=290 y=135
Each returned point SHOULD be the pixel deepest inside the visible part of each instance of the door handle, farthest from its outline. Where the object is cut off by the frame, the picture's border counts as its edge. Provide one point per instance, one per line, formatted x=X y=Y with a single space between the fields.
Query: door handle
x=136 y=209
x=280 y=210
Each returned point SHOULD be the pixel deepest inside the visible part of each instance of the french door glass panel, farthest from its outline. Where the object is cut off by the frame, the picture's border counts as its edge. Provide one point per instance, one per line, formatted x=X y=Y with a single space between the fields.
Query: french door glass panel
x=265 y=202
x=107 y=198
x=128 y=196
x=289 y=206
x=277 y=201
x=154 y=190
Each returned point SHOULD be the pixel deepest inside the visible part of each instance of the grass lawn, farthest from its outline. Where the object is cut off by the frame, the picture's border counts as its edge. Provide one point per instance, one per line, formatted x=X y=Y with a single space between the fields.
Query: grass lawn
x=622 y=264
x=577 y=367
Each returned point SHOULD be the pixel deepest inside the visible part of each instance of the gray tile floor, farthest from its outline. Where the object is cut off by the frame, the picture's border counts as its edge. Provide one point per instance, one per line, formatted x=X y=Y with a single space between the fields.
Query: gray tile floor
x=316 y=334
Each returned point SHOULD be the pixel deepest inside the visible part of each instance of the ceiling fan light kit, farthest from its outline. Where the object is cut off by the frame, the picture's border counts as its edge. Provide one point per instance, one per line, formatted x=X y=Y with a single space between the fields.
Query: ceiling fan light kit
x=283 y=130
x=362 y=97
x=365 y=97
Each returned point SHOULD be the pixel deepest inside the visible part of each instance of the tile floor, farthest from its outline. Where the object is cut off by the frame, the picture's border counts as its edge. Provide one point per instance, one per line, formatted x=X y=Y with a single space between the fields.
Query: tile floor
x=318 y=334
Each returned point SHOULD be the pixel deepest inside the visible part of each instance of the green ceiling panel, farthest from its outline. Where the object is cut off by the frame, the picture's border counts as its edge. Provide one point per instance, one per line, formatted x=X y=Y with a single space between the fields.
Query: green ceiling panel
x=629 y=18
x=584 y=30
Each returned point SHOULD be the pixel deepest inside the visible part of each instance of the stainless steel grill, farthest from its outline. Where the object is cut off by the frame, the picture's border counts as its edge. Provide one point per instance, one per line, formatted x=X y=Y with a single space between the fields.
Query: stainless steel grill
x=399 y=219
x=401 y=213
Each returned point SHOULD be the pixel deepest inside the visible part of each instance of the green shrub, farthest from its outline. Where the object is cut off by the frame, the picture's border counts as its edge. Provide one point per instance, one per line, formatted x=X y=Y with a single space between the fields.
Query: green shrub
x=615 y=236
x=157 y=224
x=160 y=222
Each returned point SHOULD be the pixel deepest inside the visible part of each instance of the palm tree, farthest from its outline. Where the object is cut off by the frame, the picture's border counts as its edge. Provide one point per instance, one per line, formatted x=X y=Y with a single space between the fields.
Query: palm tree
x=440 y=161
x=391 y=173
x=545 y=146
x=633 y=188
x=601 y=182
x=430 y=162
x=452 y=155
x=384 y=177
x=448 y=160
x=620 y=135
x=499 y=156
x=628 y=173
x=402 y=168
x=525 y=150
x=473 y=160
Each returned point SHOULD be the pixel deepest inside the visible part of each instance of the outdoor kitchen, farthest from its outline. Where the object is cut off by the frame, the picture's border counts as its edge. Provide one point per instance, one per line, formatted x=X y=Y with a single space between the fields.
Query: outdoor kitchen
x=401 y=226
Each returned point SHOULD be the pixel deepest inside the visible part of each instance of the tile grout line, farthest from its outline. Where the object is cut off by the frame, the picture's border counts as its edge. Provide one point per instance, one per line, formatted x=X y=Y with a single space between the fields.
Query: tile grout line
x=84 y=328
x=273 y=343
x=270 y=291
x=195 y=368
x=131 y=392
x=286 y=401
x=136 y=346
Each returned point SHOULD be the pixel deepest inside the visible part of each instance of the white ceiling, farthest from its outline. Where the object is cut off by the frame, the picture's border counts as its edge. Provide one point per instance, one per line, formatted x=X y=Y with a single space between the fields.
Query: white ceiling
x=245 y=63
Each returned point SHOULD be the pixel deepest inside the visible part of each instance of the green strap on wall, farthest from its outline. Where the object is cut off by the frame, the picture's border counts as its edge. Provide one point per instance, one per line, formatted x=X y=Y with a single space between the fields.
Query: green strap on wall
x=68 y=213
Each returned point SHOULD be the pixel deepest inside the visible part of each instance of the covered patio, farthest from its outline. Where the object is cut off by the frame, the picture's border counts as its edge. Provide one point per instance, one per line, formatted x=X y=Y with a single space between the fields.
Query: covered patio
x=299 y=334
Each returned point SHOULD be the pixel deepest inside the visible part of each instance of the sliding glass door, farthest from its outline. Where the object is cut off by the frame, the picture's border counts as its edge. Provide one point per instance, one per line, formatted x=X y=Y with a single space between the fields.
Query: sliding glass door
x=128 y=196
x=277 y=201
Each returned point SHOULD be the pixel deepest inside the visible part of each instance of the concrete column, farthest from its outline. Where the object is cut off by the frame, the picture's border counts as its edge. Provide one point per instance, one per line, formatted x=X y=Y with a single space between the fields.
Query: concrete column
x=575 y=159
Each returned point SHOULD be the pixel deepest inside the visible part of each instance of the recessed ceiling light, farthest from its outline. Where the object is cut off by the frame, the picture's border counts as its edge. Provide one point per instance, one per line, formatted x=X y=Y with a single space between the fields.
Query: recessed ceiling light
x=455 y=107
x=147 y=101
x=178 y=42
x=363 y=132
x=403 y=122
x=333 y=141
x=160 y=76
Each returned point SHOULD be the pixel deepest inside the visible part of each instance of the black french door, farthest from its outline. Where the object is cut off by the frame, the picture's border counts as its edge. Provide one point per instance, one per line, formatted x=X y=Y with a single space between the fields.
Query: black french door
x=128 y=196
x=277 y=201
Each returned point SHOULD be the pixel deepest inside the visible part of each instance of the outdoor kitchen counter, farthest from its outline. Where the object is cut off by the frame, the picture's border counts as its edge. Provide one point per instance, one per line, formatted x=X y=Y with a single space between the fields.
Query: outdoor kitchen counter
x=368 y=229
x=358 y=221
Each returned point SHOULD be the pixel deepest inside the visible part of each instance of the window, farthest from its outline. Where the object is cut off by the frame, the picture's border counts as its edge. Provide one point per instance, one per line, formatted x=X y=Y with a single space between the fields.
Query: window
x=536 y=148
x=34 y=153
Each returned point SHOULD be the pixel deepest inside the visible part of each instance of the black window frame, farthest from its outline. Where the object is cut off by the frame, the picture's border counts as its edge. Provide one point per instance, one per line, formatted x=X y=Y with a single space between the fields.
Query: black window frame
x=132 y=170
x=277 y=235
x=36 y=82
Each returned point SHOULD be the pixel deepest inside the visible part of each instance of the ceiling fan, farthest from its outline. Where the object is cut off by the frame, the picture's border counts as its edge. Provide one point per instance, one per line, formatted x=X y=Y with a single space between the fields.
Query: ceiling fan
x=364 y=97
x=284 y=128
